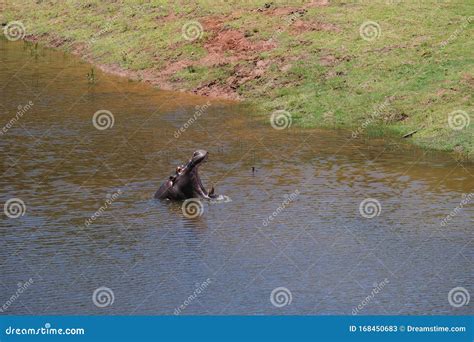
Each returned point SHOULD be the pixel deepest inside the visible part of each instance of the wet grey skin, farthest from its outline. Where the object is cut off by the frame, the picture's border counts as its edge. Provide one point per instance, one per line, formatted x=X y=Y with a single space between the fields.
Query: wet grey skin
x=185 y=183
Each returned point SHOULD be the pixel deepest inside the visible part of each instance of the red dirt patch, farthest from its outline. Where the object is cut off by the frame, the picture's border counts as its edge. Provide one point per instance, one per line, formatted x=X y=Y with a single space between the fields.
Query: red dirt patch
x=224 y=39
x=468 y=79
x=51 y=41
x=442 y=92
x=213 y=24
x=213 y=89
x=224 y=45
x=235 y=41
x=244 y=73
x=317 y=3
x=280 y=11
x=331 y=60
x=300 y=26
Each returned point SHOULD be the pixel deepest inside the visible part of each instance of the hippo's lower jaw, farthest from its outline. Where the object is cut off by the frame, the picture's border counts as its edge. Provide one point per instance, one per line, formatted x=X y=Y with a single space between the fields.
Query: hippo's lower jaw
x=185 y=183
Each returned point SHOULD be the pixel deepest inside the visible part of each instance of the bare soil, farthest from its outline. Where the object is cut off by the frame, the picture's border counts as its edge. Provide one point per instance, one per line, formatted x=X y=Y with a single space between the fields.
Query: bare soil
x=225 y=46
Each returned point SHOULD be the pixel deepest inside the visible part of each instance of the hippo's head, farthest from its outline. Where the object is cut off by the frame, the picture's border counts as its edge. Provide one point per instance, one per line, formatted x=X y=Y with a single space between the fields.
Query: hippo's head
x=185 y=183
x=199 y=156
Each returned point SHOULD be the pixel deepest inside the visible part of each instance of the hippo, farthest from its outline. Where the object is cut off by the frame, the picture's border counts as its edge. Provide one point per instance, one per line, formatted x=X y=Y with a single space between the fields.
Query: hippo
x=185 y=183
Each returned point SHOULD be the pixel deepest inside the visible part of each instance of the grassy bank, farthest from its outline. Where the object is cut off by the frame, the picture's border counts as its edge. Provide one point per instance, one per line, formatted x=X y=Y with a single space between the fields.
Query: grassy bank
x=408 y=71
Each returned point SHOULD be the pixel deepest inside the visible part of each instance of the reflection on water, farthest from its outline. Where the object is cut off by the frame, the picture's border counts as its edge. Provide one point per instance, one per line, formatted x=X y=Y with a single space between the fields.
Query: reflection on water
x=316 y=243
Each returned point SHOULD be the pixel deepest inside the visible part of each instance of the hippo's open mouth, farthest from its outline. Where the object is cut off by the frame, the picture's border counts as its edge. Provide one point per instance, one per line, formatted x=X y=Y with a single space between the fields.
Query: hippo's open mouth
x=199 y=157
x=186 y=183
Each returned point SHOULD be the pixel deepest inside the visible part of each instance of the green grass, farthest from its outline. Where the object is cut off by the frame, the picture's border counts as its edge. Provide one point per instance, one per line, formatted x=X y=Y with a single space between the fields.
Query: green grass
x=406 y=64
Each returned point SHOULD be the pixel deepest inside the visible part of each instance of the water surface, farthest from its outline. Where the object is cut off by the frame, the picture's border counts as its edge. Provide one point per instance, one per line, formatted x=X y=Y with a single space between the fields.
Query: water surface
x=311 y=182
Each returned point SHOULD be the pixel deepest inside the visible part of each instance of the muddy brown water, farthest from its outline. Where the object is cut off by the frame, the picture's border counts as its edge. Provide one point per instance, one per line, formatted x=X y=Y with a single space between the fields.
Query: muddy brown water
x=154 y=259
